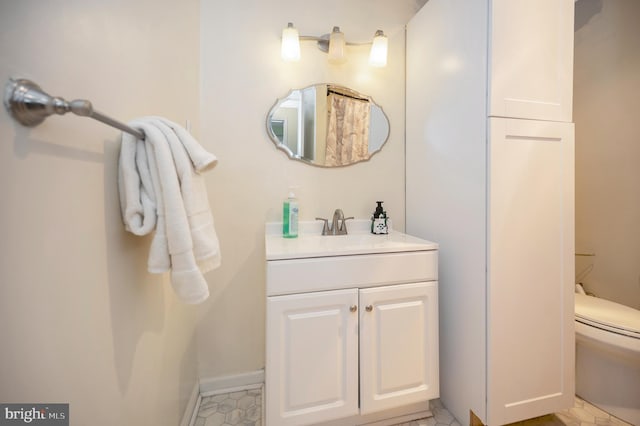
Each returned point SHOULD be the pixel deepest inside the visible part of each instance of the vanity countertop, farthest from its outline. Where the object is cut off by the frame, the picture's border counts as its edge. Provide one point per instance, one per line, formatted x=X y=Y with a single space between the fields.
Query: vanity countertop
x=310 y=242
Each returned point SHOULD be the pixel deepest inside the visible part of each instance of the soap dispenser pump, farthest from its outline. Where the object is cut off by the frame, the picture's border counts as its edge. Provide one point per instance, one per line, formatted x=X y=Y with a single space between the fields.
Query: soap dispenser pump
x=379 y=220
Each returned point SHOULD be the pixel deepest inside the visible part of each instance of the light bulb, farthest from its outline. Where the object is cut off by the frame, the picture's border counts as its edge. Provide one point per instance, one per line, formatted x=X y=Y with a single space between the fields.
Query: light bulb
x=378 y=55
x=290 y=50
x=336 y=46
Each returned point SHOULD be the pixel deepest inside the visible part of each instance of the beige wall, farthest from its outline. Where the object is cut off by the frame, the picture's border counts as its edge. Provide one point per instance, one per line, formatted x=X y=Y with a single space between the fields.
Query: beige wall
x=607 y=117
x=81 y=321
x=242 y=76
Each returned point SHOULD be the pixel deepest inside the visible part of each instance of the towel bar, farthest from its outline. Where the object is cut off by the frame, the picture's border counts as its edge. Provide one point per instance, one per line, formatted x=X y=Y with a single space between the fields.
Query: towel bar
x=30 y=105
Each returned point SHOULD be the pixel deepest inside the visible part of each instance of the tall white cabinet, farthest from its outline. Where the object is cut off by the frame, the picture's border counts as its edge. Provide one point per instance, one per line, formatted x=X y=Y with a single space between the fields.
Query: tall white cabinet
x=490 y=175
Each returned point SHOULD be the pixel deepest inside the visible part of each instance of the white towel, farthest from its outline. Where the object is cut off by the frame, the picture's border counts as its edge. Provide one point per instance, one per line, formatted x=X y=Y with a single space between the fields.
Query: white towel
x=161 y=189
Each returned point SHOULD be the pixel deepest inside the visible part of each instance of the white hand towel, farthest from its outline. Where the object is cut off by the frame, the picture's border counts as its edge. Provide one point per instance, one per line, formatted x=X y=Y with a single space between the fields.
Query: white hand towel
x=202 y=160
x=161 y=188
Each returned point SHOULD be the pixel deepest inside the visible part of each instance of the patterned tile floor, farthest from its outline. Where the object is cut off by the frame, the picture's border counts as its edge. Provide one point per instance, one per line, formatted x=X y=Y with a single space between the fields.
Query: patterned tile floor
x=229 y=409
x=441 y=417
x=582 y=414
x=244 y=408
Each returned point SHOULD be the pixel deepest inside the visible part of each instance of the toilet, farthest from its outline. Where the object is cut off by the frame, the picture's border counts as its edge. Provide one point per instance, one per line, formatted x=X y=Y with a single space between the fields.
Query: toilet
x=608 y=356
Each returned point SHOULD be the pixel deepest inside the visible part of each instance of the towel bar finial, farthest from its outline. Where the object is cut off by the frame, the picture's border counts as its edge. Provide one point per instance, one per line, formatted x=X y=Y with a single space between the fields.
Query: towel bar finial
x=30 y=105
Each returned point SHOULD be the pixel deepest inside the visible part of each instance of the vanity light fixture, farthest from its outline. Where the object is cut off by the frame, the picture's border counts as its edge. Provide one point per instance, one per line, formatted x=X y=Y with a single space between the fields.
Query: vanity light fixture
x=379 y=47
x=290 y=44
x=334 y=44
x=337 y=46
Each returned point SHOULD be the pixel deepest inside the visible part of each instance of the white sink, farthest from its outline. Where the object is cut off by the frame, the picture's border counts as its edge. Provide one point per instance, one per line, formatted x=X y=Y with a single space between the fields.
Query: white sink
x=310 y=242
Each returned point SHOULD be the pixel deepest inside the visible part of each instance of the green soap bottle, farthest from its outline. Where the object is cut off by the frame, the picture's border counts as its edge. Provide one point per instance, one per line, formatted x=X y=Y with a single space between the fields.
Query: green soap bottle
x=290 y=217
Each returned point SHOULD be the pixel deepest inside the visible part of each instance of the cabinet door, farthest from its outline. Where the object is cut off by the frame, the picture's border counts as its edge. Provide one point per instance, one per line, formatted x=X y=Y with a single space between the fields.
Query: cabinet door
x=531 y=59
x=312 y=357
x=398 y=345
x=530 y=345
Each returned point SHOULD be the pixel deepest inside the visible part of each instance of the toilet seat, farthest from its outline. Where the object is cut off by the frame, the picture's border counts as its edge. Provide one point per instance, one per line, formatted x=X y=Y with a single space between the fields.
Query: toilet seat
x=607 y=315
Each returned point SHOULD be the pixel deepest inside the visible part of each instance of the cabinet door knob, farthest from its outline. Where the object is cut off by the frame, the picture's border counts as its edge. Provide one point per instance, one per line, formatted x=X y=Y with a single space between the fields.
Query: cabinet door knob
x=369 y=308
x=353 y=308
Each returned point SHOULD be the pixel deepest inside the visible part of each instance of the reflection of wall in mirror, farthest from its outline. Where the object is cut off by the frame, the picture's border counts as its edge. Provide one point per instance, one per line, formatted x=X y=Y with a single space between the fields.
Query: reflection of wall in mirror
x=307 y=150
x=378 y=129
x=289 y=116
x=279 y=129
x=321 y=123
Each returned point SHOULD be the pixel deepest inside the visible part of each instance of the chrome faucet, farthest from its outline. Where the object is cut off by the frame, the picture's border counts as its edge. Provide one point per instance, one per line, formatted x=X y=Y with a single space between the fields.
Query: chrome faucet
x=338 y=224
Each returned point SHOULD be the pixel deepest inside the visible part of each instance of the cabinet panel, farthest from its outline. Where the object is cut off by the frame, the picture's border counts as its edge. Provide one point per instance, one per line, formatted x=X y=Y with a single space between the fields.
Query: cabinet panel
x=312 y=357
x=329 y=273
x=531 y=59
x=446 y=130
x=398 y=337
x=530 y=275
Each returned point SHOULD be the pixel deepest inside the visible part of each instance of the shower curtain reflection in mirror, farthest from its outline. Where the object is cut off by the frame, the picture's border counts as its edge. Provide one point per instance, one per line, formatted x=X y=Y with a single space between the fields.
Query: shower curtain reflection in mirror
x=348 y=129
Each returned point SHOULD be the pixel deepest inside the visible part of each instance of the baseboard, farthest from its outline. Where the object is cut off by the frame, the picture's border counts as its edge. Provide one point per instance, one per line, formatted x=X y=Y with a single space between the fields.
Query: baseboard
x=191 y=410
x=216 y=385
x=231 y=383
x=393 y=416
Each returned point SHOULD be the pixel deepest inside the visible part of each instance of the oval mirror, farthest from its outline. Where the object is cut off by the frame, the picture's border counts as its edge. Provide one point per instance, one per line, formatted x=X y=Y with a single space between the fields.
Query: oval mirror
x=328 y=125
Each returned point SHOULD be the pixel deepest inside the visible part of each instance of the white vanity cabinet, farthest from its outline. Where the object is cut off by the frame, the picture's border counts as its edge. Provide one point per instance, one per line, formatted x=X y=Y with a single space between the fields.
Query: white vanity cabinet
x=312 y=357
x=351 y=338
x=398 y=360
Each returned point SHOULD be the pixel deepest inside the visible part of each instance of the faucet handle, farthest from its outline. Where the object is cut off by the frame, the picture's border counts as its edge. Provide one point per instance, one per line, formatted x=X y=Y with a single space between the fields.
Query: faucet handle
x=325 y=226
x=343 y=225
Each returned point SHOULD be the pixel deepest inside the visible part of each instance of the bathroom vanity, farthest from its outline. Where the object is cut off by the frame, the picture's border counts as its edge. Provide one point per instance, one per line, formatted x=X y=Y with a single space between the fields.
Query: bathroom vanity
x=352 y=327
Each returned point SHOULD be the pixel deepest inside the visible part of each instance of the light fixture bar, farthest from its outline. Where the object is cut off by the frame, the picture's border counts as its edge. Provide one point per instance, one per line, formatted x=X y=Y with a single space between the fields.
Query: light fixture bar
x=322 y=41
x=377 y=56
